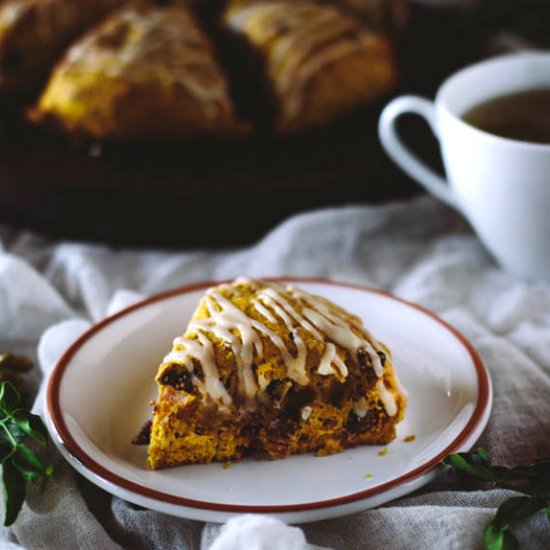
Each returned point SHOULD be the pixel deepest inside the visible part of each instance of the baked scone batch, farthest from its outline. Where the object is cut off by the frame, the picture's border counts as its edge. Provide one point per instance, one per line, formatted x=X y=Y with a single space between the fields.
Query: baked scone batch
x=271 y=370
x=150 y=74
x=146 y=69
x=318 y=61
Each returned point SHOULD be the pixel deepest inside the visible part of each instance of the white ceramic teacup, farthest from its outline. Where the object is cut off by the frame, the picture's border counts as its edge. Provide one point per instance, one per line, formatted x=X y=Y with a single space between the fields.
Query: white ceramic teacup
x=501 y=185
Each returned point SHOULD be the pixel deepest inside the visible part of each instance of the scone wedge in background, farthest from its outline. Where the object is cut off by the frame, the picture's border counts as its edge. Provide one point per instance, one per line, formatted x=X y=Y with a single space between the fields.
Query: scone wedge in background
x=319 y=62
x=143 y=74
x=271 y=370
x=35 y=33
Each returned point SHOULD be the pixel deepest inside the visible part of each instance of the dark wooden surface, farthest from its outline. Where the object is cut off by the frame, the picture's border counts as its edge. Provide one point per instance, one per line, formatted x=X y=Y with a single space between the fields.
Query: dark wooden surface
x=212 y=193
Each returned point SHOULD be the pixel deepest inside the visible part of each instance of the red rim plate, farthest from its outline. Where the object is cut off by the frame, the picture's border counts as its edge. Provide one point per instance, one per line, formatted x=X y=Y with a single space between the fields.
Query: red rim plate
x=56 y=415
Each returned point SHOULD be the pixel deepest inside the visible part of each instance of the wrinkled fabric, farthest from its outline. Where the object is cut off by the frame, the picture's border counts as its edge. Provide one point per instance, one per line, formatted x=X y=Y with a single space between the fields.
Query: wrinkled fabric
x=50 y=292
x=255 y=532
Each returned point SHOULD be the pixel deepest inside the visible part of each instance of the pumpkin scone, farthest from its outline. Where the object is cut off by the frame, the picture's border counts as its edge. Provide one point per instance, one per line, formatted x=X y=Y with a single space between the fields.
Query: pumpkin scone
x=142 y=74
x=268 y=369
x=319 y=62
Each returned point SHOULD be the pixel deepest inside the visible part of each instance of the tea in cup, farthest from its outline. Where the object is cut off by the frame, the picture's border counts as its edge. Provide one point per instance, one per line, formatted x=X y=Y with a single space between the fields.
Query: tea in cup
x=492 y=121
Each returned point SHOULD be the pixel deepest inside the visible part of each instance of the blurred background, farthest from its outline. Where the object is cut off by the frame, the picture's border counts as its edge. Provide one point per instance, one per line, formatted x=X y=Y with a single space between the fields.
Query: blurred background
x=205 y=122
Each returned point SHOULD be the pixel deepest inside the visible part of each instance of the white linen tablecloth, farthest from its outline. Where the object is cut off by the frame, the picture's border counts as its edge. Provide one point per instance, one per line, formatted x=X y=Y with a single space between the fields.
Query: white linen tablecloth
x=50 y=292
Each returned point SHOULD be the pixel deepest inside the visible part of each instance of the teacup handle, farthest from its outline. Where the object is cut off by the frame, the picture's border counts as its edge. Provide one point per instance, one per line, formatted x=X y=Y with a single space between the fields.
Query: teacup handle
x=408 y=162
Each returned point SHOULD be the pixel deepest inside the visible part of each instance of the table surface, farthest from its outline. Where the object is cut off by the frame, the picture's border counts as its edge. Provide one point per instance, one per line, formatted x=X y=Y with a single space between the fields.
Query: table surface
x=420 y=250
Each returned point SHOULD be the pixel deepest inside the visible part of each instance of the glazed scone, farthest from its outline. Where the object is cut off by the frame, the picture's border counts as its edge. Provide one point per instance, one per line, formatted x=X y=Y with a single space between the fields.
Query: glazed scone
x=271 y=370
x=143 y=74
x=319 y=62
x=34 y=33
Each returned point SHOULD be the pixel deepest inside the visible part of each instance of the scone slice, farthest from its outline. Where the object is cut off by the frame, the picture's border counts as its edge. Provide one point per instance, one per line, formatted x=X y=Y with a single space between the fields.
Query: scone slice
x=320 y=63
x=270 y=370
x=144 y=74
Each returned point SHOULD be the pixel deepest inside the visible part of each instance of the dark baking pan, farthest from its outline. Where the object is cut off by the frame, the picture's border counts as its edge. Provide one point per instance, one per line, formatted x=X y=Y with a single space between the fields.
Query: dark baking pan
x=212 y=192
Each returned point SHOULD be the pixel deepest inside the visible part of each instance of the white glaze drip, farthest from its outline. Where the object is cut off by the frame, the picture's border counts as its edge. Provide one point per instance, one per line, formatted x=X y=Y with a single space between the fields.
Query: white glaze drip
x=243 y=334
x=387 y=398
x=264 y=312
x=276 y=298
x=233 y=326
x=295 y=365
x=338 y=329
x=298 y=363
x=202 y=351
x=330 y=360
x=278 y=310
x=184 y=358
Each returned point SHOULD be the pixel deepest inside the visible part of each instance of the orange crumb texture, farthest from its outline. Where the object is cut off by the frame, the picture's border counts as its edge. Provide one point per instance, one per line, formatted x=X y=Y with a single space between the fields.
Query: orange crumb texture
x=270 y=370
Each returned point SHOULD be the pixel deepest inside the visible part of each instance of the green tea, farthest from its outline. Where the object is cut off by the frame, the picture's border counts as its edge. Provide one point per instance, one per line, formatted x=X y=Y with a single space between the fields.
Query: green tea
x=524 y=116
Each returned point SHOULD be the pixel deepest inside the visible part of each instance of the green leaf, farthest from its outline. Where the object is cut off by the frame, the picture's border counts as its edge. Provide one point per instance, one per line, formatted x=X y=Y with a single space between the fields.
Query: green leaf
x=19 y=463
x=483 y=455
x=530 y=479
x=14 y=492
x=493 y=538
x=515 y=509
x=9 y=397
x=30 y=466
x=471 y=464
x=499 y=539
x=31 y=424
x=16 y=434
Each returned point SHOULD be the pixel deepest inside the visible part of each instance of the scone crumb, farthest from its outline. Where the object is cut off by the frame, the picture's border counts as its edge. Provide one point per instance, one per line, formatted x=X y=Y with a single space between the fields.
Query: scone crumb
x=383 y=452
x=409 y=438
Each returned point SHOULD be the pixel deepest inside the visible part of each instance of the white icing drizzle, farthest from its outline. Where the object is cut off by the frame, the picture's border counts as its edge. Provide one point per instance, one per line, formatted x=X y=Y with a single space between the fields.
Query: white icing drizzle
x=298 y=363
x=242 y=333
x=224 y=324
x=295 y=365
x=262 y=310
x=387 y=398
x=338 y=329
x=179 y=356
x=203 y=352
x=278 y=310
x=330 y=358
x=278 y=299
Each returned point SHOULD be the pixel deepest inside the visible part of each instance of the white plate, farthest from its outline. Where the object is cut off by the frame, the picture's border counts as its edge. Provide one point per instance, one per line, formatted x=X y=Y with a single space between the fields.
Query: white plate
x=98 y=397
